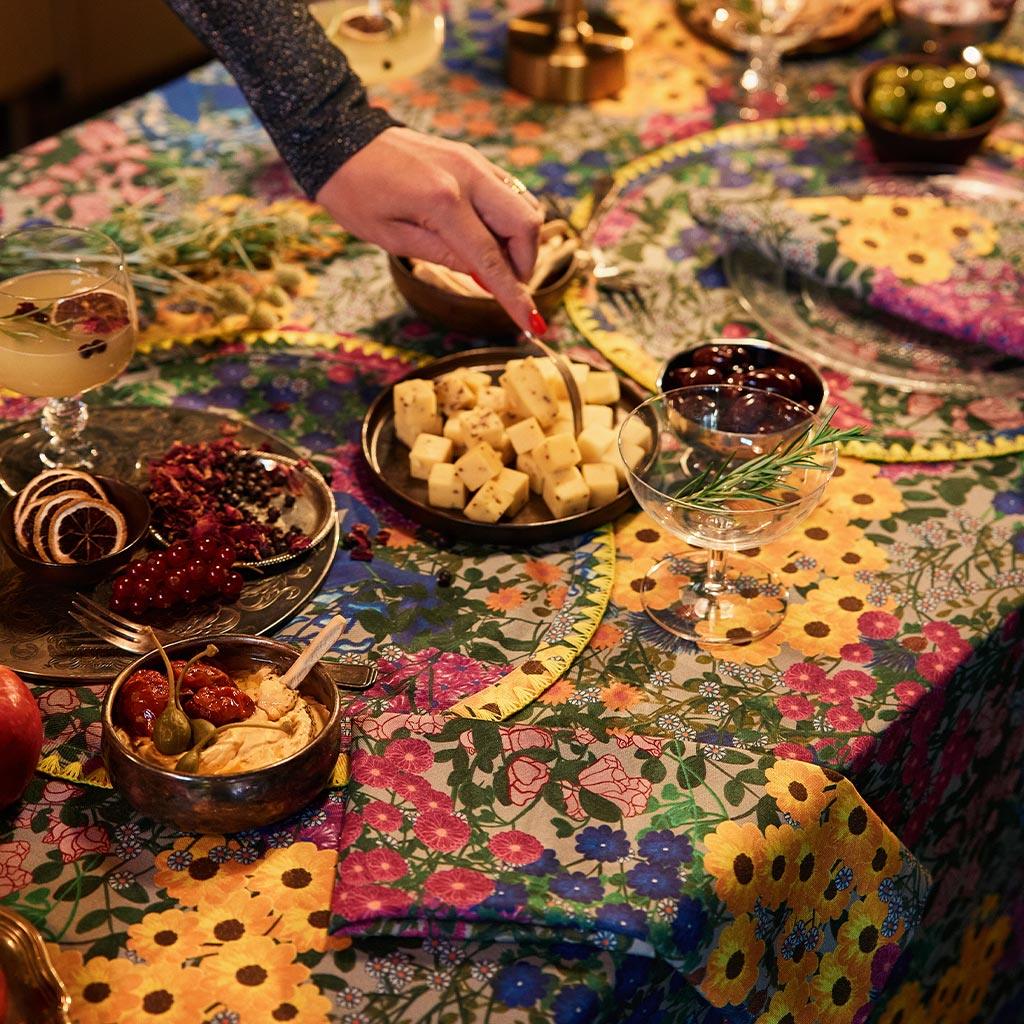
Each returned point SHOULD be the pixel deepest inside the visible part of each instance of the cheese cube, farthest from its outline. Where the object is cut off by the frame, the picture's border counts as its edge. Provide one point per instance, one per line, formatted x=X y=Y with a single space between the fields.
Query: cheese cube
x=415 y=410
x=635 y=431
x=563 y=425
x=633 y=454
x=552 y=378
x=506 y=451
x=482 y=425
x=512 y=404
x=494 y=399
x=517 y=484
x=444 y=488
x=597 y=416
x=480 y=464
x=526 y=383
x=566 y=492
x=555 y=453
x=527 y=464
x=525 y=435
x=603 y=483
x=488 y=504
x=593 y=442
x=580 y=371
x=601 y=388
x=427 y=451
x=456 y=433
x=454 y=392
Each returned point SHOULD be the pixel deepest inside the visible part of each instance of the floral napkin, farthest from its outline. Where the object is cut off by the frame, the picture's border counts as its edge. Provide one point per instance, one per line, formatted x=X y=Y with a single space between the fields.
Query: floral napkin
x=941 y=263
x=763 y=881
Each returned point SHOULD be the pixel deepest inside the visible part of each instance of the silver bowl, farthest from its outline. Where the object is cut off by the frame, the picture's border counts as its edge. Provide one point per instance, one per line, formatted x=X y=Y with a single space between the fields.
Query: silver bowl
x=227 y=803
x=680 y=358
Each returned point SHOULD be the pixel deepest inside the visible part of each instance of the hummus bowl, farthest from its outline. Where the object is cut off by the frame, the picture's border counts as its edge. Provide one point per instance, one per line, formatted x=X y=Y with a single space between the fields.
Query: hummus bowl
x=229 y=801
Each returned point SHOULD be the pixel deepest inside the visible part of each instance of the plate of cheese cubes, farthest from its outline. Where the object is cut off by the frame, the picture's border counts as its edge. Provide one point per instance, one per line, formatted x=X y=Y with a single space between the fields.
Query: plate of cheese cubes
x=483 y=445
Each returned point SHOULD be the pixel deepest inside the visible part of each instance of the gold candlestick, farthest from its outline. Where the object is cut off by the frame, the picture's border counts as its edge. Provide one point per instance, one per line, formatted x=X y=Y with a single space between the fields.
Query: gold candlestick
x=567 y=55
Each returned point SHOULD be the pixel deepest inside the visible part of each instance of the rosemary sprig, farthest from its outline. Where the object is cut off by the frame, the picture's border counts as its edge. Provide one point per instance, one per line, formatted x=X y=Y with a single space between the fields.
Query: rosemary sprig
x=712 y=489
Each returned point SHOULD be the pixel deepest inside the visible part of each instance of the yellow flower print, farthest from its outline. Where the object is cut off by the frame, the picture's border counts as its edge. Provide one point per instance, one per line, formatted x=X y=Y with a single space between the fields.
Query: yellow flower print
x=800 y=790
x=239 y=916
x=946 y=1005
x=559 y=692
x=741 y=622
x=632 y=585
x=779 y=867
x=734 y=857
x=505 y=599
x=300 y=875
x=203 y=869
x=307 y=1005
x=856 y=491
x=307 y=930
x=983 y=947
x=101 y=990
x=850 y=824
x=760 y=652
x=254 y=976
x=833 y=900
x=798 y=967
x=827 y=620
x=171 y=936
x=813 y=858
x=733 y=964
x=620 y=696
x=639 y=536
x=170 y=993
x=839 y=989
x=861 y=932
x=874 y=860
x=790 y=1005
x=905 y=1007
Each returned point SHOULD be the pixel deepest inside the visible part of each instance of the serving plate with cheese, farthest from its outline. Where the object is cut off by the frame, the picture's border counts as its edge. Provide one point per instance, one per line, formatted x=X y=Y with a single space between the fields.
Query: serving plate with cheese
x=483 y=445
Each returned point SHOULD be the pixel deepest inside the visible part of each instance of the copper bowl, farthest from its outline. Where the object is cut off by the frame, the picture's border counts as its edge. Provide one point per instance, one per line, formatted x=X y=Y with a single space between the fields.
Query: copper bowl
x=227 y=803
x=133 y=506
x=901 y=145
x=480 y=317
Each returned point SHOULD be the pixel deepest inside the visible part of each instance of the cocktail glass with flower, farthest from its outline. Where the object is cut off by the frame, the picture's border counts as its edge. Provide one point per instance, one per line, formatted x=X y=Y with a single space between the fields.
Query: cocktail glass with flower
x=703 y=436
x=68 y=324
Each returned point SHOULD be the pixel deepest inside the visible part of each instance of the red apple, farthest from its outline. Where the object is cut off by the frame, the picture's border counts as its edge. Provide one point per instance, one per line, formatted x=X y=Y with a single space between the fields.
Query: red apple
x=21 y=736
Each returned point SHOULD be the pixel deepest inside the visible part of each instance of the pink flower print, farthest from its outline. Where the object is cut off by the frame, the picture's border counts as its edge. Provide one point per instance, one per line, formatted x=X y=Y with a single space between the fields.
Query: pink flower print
x=861 y=654
x=441 y=831
x=409 y=755
x=804 y=676
x=942 y=633
x=571 y=795
x=57 y=792
x=526 y=778
x=380 y=865
x=792 y=752
x=878 y=625
x=844 y=717
x=351 y=830
x=60 y=701
x=382 y=816
x=371 y=770
x=614 y=225
x=77 y=842
x=935 y=667
x=12 y=875
x=795 y=707
x=515 y=847
x=608 y=778
x=430 y=799
x=523 y=737
x=97 y=136
x=369 y=902
x=461 y=887
x=908 y=692
x=920 y=404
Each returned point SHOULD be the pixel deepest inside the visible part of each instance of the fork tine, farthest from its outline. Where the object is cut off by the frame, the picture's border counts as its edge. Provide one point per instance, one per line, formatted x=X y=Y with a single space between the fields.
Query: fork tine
x=109 y=637
x=89 y=605
x=100 y=623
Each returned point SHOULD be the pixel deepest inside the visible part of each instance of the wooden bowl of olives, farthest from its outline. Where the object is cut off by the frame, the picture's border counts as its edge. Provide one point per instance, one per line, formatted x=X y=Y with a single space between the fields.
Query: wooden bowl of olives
x=916 y=111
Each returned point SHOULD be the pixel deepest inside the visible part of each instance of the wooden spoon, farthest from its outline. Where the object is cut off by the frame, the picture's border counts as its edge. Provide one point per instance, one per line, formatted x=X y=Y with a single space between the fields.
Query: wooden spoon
x=317 y=648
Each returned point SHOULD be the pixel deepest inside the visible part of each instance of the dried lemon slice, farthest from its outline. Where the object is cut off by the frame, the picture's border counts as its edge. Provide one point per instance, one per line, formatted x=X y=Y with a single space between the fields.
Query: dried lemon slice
x=53 y=480
x=82 y=531
x=45 y=509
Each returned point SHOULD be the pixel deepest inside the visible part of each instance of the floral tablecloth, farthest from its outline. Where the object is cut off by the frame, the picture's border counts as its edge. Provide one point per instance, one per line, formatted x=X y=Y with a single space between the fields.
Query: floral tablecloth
x=898 y=666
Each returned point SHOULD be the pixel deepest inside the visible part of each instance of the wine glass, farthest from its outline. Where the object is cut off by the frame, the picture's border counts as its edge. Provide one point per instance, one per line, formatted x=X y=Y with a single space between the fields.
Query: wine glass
x=765 y=30
x=953 y=30
x=704 y=595
x=68 y=324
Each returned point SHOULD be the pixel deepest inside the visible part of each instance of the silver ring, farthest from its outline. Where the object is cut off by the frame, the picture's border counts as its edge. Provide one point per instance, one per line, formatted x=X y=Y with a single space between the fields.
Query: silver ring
x=515 y=184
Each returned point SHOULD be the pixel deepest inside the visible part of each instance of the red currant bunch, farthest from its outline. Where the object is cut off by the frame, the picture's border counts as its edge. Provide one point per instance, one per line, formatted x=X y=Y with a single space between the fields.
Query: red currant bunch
x=187 y=572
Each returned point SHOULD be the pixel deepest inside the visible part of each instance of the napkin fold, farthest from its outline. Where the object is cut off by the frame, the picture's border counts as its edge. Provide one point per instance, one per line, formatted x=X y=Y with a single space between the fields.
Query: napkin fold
x=942 y=264
x=759 y=879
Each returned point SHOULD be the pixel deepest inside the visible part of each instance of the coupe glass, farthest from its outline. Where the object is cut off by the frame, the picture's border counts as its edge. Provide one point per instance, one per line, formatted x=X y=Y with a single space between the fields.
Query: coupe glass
x=707 y=595
x=67 y=325
x=765 y=30
x=952 y=30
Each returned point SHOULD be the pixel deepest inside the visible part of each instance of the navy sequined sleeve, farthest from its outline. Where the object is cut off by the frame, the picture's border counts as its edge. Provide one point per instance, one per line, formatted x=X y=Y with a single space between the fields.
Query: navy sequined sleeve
x=300 y=86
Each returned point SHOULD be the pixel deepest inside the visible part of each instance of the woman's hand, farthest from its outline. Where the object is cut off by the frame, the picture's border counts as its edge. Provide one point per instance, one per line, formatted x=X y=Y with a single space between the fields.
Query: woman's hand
x=424 y=197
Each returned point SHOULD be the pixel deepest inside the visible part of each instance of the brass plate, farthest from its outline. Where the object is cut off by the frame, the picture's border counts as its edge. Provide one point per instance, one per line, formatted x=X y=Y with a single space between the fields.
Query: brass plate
x=38 y=638
x=388 y=460
x=36 y=994
x=312 y=513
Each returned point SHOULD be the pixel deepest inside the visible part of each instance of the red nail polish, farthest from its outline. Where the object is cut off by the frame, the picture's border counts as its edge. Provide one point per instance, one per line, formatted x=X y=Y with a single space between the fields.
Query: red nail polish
x=537 y=323
x=479 y=282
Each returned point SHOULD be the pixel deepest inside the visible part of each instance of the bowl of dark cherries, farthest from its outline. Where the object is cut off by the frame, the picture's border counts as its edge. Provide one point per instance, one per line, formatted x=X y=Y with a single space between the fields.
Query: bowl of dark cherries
x=752 y=367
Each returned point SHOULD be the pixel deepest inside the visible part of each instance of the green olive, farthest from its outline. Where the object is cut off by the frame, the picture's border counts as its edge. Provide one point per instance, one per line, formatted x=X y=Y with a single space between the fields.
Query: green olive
x=979 y=102
x=921 y=73
x=957 y=122
x=947 y=89
x=889 y=75
x=965 y=74
x=202 y=730
x=889 y=102
x=927 y=117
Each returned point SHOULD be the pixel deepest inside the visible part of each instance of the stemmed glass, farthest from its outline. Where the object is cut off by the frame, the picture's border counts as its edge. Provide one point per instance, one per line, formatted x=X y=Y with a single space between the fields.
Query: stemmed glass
x=720 y=599
x=765 y=30
x=68 y=324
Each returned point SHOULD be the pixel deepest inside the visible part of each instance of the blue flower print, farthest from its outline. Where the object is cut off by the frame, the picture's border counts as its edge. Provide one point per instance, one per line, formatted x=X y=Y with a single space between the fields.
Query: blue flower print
x=665 y=847
x=623 y=919
x=577 y=886
x=545 y=864
x=688 y=924
x=577 y=1004
x=603 y=843
x=520 y=985
x=658 y=881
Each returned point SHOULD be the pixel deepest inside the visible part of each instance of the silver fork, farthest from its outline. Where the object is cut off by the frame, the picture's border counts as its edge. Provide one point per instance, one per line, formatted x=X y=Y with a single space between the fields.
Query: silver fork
x=130 y=636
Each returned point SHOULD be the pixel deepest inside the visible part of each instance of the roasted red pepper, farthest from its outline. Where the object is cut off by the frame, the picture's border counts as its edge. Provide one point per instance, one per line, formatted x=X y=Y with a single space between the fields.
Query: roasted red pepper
x=141 y=698
x=219 y=704
x=201 y=675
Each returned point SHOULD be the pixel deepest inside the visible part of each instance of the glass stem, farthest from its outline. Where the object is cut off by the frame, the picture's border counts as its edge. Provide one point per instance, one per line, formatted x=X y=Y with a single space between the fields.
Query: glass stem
x=714 y=575
x=64 y=420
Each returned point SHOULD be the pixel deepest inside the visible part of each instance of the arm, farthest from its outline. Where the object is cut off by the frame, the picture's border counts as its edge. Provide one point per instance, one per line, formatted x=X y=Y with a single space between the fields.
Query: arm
x=297 y=82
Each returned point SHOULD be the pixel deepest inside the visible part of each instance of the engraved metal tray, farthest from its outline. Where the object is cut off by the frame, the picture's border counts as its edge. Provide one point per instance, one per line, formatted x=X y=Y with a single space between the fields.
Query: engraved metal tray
x=39 y=639
x=35 y=993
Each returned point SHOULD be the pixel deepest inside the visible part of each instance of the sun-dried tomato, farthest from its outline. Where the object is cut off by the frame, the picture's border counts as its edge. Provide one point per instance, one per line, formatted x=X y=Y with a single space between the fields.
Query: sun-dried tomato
x=219 y=704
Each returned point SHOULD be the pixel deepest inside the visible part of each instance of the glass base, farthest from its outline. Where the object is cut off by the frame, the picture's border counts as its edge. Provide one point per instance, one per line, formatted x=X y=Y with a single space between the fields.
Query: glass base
x=746 y=605
x=25 y=453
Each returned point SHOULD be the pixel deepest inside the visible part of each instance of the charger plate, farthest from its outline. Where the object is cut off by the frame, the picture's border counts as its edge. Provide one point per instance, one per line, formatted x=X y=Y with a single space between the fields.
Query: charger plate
x=650 y=234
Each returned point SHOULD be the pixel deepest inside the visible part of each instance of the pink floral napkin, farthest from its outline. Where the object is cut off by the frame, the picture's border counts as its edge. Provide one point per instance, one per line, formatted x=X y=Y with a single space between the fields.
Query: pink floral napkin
x=758 y=879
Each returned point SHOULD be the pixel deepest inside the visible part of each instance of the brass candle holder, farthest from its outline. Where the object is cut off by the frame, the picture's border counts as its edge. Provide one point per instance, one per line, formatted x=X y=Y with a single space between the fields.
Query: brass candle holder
x=566 y=55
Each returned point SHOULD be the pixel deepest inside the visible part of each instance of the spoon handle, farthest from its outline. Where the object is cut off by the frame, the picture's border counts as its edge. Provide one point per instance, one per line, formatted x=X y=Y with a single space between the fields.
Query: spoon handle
x=316 y=649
